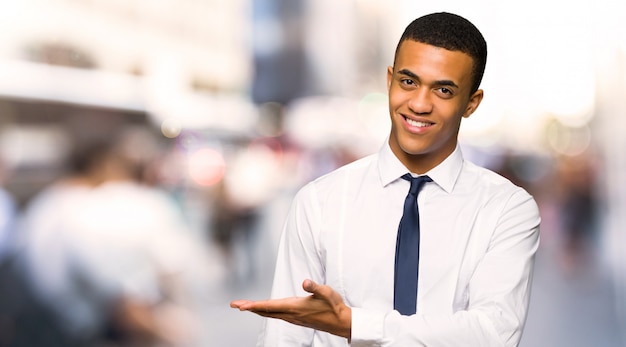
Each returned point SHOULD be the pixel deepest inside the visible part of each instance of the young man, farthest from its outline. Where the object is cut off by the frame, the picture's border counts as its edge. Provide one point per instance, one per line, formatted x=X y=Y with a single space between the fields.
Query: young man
x=478 y=233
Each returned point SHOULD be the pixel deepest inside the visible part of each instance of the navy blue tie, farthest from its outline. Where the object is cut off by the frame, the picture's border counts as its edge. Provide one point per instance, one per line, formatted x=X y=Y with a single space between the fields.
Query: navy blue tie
x=407 y=250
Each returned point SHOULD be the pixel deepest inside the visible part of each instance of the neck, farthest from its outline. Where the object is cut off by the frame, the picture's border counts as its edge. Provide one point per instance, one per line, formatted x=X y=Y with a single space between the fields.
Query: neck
x=420 y=163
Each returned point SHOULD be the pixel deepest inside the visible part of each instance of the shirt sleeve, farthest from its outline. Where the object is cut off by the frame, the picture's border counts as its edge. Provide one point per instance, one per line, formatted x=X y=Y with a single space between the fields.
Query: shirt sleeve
x=496 y=294
x=298 y=259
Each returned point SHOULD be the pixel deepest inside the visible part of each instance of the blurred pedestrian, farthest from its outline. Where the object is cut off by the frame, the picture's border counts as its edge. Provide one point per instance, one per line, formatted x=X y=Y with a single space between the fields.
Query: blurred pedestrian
x=8 y=213
x=577 y=210
x=109 y=256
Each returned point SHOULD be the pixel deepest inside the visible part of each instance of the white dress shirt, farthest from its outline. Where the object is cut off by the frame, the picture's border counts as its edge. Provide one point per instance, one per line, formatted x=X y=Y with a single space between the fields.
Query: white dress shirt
x=479 y=235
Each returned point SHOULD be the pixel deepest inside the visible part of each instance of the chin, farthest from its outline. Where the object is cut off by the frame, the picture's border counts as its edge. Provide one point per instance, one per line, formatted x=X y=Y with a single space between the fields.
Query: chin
x=414 y=151
x=412 y=146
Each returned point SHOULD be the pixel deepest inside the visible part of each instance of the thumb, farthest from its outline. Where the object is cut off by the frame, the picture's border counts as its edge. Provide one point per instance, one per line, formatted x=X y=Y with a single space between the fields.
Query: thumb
x=318 y=290
x=310 y=286
x=323 y=292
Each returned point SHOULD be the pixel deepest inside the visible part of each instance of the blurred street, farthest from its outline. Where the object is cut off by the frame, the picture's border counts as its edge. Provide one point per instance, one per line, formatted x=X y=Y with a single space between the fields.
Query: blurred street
x=572 y=309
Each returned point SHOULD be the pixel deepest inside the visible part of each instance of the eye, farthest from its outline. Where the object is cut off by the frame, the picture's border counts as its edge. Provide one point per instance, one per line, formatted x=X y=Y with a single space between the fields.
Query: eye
x=408 y=84
x=444 y=92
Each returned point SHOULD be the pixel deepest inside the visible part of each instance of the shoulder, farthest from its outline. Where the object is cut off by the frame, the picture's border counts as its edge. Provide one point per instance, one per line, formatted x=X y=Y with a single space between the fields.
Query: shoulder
x=495 y=188
x=486 y=178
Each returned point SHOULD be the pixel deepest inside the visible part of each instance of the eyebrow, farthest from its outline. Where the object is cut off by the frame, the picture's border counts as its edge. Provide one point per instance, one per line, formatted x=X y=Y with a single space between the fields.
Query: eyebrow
x=410 y=73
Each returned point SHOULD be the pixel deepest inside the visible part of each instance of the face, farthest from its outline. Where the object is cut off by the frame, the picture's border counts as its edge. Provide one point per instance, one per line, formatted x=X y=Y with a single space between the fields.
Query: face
x=429 y=93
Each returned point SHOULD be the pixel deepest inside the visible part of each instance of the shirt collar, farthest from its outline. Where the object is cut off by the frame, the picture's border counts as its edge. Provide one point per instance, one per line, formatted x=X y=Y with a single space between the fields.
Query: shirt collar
x=445 y=174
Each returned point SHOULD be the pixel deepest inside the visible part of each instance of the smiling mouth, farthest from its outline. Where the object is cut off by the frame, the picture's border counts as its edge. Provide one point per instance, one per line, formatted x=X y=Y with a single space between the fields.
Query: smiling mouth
x=417 y=124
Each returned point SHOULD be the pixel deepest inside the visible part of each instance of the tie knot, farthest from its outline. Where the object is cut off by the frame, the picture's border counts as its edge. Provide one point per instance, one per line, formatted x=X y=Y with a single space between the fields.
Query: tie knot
x=416 y=182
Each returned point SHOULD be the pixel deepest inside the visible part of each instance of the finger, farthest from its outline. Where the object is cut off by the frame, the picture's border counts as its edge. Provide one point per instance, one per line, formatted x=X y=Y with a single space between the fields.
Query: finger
x=317 y=290
x=238 y=303
x=309 y=286
x=275 y=305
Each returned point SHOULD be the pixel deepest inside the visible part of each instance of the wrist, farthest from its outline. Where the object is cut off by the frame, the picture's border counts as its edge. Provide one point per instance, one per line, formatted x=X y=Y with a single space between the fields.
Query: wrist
x=346 y=322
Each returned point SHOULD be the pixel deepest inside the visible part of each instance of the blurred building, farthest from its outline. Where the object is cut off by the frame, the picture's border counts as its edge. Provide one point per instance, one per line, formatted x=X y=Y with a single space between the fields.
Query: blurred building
x=74 y=70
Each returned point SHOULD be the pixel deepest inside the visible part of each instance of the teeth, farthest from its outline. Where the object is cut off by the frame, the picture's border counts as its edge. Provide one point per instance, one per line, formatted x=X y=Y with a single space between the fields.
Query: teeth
x=417 y=124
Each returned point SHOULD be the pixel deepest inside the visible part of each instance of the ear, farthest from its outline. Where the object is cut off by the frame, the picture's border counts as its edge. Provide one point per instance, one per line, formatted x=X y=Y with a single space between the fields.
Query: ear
x=473 y=103
x=389 y=76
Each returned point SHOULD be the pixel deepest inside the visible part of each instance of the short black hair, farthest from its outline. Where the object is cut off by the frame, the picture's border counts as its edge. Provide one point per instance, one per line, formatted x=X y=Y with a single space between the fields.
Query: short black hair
x=452 y=32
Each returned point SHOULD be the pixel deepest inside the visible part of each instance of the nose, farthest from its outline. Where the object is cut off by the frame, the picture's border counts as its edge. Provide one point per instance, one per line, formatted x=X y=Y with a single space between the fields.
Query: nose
x=420 y=101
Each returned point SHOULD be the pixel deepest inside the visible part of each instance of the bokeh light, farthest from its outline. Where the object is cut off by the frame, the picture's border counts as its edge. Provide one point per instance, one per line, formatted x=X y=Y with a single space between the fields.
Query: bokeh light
x=171 y=128
x=206 y=166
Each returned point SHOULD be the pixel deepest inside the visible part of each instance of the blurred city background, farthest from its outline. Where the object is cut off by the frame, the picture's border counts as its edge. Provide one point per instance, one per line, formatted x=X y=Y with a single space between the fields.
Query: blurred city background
x=149 y=151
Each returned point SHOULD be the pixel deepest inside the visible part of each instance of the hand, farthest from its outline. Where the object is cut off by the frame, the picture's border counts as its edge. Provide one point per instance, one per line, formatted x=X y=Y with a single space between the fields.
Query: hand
x=323 y=310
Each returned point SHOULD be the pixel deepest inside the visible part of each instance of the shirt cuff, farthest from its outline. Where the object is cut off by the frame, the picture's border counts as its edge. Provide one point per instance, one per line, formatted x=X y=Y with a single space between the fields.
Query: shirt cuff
x=367 y=328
